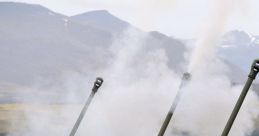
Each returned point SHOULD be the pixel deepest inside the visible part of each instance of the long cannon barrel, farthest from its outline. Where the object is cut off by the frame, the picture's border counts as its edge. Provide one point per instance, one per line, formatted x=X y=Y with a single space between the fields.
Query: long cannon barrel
x=185 y=79
x=97 y=85
x=253 y=73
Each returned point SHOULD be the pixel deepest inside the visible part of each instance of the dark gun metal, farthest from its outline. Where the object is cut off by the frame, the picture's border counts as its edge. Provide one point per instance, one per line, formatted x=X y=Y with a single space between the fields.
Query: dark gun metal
x=251 y=77
x=186 y=77
x=97 y=85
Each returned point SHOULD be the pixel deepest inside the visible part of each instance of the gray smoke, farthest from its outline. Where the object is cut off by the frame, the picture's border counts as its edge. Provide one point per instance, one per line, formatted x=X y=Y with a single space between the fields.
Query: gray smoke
x=210 y=96
x=138 y=90
x=137 y=93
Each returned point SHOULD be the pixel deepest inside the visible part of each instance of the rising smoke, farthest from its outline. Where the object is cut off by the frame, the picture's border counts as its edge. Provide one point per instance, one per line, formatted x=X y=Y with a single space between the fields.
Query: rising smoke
x=206 y=45
x=138 y=90
x=210 y=96
x=139 y=86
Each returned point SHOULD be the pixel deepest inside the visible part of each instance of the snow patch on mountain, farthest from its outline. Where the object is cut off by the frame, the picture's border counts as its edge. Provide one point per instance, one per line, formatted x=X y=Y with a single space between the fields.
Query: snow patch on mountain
x=240 y=48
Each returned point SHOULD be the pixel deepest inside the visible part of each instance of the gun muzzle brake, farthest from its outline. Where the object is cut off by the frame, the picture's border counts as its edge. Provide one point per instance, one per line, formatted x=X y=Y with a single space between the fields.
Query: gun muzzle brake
x=254 y=69
x=97 y=84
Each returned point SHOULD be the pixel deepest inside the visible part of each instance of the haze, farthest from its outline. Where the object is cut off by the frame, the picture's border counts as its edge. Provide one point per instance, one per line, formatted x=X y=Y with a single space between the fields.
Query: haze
x=178 y=18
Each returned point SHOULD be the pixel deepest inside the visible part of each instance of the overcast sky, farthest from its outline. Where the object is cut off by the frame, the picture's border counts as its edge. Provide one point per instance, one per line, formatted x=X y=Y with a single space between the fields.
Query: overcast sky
x=178 y=18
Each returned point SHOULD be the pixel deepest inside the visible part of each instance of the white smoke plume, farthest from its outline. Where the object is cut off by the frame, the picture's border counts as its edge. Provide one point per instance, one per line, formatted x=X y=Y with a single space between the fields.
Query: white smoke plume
x=138 y=91
x=206 y=45
x=210 y=97
x=207 y=103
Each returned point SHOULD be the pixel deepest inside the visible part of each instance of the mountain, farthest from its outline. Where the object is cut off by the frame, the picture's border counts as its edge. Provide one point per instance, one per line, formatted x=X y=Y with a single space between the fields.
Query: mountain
x=240 y=48
x=175 y=49
x=101 y=19
x=36 y=42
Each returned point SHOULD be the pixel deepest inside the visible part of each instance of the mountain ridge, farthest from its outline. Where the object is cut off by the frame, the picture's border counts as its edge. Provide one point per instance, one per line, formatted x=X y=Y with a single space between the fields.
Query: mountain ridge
x=101 y=19
x=42 y=44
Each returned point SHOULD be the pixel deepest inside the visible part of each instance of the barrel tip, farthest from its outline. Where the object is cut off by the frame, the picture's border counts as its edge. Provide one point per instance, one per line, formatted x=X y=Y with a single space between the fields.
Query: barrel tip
x=254 y=69
x=99 y=81
x=255 y=65
x=187 y=75
x=97 y=84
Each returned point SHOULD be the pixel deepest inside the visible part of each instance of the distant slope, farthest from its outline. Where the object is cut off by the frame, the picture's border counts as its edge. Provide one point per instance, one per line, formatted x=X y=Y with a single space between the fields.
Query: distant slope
x=240 y=48
x=101 y=19
x=36 y=42
x=175 y=49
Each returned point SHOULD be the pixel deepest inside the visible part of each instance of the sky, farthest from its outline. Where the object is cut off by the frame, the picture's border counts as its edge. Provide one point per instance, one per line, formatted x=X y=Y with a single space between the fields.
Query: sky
x=177 y=18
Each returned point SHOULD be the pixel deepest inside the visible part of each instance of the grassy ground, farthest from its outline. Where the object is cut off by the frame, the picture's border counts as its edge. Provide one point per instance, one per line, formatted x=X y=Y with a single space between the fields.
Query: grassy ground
x=13 y=119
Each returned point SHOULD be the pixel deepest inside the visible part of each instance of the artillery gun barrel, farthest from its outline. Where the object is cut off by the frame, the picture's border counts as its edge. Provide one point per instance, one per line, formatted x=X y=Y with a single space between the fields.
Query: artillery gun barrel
x=186 y=77
x=251 y=77
x=97 y=85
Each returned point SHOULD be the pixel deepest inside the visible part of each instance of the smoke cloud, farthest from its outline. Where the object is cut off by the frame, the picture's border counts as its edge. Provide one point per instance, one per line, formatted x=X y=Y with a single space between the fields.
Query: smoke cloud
x=139 y=88
x=210 y=96
x=207 y=103
x=137 y=91
x=206 y=45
